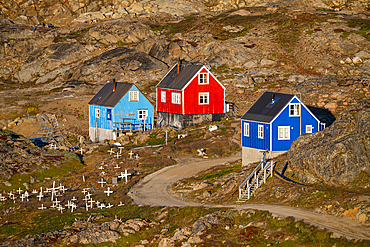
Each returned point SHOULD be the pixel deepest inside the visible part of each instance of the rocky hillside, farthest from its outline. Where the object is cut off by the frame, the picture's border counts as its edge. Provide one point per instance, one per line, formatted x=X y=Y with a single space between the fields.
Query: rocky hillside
x=339 y=153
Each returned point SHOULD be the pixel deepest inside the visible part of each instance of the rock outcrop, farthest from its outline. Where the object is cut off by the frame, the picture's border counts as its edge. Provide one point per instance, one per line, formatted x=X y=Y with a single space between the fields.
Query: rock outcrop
x=337 y=154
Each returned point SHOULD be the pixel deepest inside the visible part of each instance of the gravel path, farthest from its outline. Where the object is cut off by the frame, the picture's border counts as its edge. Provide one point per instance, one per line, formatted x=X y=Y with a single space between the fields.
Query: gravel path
x=155 y=190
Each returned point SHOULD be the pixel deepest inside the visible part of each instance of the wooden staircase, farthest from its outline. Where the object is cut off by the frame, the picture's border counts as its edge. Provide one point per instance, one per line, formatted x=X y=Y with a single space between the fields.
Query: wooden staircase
x=256 y=178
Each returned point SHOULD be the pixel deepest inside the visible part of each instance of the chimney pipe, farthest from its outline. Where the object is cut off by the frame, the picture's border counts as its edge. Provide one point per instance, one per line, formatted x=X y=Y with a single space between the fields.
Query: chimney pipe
x=178 y=66
x=114 y=85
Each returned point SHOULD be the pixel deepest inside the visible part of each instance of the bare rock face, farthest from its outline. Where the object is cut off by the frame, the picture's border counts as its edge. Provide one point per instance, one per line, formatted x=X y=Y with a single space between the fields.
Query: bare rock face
x=337 y=154
x=114 y=63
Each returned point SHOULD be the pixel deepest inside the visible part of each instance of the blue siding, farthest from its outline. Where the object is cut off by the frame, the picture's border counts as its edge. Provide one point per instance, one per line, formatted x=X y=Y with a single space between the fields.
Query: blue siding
x=126 y=111
x=297 y=126
x=102 y=121
x=123 y=111
x=252 y=140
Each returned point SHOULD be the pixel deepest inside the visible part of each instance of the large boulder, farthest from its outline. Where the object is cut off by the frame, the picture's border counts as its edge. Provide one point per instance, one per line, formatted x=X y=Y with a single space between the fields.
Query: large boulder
x=337 y=154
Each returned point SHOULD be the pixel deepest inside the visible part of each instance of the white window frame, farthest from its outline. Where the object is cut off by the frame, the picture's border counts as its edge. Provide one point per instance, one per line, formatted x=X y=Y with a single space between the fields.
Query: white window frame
x=163 y=96
x=97 y=112
x=246 y=129
x=203 y=78
x=260 y=131
x=176 y=98
x=309 y=129
x=296 y=108
x=134 y=95
x=140 y=114
x=204 y=97
x=283 y=132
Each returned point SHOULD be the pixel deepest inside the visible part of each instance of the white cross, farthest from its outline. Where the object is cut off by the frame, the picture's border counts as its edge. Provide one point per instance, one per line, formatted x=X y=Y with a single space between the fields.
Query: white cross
x=81 y=150
x=118 y=155
x=34 y=191
x=117 y=167
x=91 y=202
x=2 y=198
x=73 y=206
x=101 y=167
x=101 y=206
x=73 y=198
x=109 y=205
x=40 y=196
x=108 y=191
x=60 y=208
x=97 y=203
x=102 y=182
x=19 y=191
x=130 y=153
x=120 y=149
x=53 y=190
x=22 y=197
x=120 y=204
x=124 y=175
x=56 y=202
x=26 y=195
x=12 y=196
x=87 y=206
x=111 y=151
x=85 y=190
x=62 y=188
x=102 y=173
x=68 y=205
x=42 y=207
x=137 y=156
x=86 y=198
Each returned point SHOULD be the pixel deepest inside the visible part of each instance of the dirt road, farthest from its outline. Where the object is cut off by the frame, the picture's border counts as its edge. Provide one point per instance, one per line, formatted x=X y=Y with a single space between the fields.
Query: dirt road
x=155 y=190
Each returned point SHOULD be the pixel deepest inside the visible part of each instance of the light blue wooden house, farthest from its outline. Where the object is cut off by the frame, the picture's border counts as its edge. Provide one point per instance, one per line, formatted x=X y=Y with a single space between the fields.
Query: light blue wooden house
x=118 y=108
x=272 y=123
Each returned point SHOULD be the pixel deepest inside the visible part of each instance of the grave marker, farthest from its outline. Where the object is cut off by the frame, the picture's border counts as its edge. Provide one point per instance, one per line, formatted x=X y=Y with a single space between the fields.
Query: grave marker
x=102 y=182
x=42 y=207
x=124 y=175
x=108 y=191
x=131 y=153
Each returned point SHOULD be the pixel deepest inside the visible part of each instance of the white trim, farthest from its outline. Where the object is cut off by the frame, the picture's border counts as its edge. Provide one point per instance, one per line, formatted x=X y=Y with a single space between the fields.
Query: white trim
x=187 y=84
x=309 y=126
x=207 y=78
x=294 y=109
x=96 y=112
x=258 y=131
x=182 y=102
x=157 y=100
x=163 y=93
x=204 y=94
x=174 y=99
x=133 y=93
x=270 y=125
x=285 y=129
x=144 y=110
x=246 y=125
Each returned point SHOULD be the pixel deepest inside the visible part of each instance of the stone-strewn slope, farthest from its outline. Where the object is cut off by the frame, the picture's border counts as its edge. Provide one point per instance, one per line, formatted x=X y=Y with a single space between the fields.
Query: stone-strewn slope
x=337 y=154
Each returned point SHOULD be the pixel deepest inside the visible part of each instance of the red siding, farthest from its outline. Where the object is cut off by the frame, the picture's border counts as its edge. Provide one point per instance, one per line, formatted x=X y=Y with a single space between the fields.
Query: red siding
x=168 y=106
x=216 y=97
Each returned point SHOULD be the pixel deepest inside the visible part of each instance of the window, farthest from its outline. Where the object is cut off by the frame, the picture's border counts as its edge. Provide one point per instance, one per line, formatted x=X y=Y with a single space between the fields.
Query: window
x=134 y=96
x=260 y=131
x=309 y=129
x=176 y=98
x=97 y=113
x=246 y=129
x=203 y=78
x=142 y=114
x=294 y=109
x=203 y=98
x=163 y=96
x=109 y=114
x=284 y=133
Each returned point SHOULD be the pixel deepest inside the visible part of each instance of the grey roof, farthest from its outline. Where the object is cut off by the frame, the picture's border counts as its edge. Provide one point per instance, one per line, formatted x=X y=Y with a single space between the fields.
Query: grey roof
x=178 y=81
x=106 y=96
x=263 y=110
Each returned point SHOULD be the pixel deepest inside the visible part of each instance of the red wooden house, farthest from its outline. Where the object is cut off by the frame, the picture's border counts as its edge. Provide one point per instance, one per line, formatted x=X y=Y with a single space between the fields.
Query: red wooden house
x=189 y=94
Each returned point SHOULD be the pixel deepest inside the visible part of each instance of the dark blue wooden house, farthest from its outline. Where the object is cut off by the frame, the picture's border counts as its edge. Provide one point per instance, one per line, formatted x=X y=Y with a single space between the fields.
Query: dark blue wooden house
x=118 y=108
x=272 y=123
